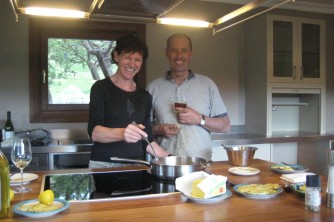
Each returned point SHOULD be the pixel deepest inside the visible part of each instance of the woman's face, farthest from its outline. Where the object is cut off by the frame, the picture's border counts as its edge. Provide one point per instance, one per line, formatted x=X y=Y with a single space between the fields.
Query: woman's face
x=129 y=64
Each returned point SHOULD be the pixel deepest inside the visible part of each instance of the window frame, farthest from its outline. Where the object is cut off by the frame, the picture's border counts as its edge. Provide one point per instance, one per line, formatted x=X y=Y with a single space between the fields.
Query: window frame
x=39 y=32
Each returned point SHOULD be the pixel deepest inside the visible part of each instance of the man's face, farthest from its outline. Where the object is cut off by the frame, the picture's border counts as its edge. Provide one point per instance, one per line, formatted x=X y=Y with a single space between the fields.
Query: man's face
x=179 y=54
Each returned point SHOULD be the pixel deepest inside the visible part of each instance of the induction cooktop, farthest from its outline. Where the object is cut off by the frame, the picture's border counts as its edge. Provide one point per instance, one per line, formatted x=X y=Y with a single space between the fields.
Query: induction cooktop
x=106 y=185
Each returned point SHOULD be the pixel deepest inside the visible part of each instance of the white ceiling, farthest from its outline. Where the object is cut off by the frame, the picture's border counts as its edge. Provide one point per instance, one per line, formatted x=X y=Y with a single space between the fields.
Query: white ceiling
x=321 y=6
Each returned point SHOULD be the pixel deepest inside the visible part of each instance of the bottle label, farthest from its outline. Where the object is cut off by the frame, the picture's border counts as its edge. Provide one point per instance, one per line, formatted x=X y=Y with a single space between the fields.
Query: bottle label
x=9 y=134
x=312 y=198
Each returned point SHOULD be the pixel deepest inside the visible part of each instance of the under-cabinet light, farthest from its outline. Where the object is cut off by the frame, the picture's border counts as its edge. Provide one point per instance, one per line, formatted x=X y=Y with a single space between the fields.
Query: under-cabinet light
x=54 y=12
x=184 y=22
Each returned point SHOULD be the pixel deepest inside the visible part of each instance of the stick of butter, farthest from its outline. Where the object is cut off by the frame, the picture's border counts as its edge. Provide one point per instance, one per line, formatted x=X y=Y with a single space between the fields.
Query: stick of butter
x=209 y=186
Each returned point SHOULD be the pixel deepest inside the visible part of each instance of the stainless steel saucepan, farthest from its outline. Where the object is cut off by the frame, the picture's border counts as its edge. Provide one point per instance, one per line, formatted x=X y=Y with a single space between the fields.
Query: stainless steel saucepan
x=170 y=168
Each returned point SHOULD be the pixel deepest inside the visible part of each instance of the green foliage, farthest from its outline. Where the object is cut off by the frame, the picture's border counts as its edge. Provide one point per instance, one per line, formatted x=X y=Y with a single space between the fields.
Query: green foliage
x=77 y=62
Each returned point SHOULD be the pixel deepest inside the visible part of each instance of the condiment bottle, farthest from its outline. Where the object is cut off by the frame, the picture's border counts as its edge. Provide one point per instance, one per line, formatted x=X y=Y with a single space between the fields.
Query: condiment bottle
x=312 y=193
x=330 y=184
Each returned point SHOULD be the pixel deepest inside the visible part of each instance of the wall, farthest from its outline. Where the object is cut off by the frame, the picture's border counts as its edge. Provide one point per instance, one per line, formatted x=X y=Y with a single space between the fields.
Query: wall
x=219 y=56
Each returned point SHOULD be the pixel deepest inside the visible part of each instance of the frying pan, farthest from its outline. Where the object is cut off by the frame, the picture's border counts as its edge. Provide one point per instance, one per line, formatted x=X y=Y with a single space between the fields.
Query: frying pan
x=170 y=168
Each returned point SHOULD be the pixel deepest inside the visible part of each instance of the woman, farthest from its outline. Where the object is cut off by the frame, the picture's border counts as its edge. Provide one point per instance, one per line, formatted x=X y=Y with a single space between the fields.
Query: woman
x=116 y=103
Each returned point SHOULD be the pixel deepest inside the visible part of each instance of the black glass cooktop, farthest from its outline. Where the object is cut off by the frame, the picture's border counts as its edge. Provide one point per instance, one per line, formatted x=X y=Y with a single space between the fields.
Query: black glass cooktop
x=111 y=184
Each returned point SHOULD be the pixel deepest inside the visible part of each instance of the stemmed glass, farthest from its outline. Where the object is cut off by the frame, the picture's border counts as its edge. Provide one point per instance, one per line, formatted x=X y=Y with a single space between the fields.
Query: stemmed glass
x=21 y=156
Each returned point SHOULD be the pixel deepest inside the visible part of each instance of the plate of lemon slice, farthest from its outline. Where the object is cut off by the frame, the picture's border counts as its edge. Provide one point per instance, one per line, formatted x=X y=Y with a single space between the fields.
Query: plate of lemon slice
x=35 y=209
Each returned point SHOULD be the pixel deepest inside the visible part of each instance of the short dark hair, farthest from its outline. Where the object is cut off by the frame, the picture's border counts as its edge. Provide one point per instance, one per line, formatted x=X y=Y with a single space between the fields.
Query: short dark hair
x=180 y=35
x=130 y=43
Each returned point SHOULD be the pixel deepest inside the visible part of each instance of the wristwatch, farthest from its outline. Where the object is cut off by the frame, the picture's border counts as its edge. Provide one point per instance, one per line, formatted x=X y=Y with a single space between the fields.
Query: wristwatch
x=202 y=120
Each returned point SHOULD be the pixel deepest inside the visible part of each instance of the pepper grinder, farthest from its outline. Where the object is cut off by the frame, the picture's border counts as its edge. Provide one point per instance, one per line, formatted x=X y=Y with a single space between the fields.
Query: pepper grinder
x=330 y=184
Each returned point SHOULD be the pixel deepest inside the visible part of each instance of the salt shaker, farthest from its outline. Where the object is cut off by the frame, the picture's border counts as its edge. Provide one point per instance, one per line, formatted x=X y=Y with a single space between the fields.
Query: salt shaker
x=330 y=184
x=312 y=193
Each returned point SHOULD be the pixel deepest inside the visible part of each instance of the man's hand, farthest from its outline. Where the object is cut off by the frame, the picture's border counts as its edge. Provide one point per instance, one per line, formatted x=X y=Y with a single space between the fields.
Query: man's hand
x=166 y=130
x=188 y=116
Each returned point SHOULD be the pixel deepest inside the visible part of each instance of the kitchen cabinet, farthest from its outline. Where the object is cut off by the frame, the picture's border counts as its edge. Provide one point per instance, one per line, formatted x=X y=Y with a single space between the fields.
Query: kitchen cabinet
x=264 y=152
x=296 y=49
x=285 y=89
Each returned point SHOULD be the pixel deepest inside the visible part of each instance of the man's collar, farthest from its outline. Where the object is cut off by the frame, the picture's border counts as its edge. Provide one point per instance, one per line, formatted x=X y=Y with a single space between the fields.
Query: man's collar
x=190 y=76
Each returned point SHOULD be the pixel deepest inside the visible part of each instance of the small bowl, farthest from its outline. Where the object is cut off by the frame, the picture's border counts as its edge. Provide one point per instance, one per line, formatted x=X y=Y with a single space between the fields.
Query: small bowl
x=240 y=155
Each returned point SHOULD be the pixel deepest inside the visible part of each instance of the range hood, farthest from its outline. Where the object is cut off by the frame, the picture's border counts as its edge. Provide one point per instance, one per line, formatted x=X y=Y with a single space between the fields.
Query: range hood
x=151 y=11
x=129 y=10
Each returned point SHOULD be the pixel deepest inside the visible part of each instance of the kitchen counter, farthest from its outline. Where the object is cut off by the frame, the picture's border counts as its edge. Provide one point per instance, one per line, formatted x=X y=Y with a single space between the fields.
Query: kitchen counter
x=174 y=207
x=282 y=137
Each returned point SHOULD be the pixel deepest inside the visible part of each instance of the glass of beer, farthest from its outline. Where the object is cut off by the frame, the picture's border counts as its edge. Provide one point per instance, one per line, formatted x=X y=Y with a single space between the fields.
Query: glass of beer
x=180 y=101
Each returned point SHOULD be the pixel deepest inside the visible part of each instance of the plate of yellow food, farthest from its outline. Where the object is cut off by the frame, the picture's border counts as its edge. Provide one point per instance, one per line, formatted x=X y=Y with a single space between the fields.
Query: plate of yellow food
x=35 y=209
x=243 y=171
x=298 y=188
x=214 y=199
x=258 y=191
x=291 y=168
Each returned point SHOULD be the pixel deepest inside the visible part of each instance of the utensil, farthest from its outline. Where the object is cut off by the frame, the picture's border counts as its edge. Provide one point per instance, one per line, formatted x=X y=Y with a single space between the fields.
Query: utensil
x=169 y=168
x=21 y=156
x=146 y=139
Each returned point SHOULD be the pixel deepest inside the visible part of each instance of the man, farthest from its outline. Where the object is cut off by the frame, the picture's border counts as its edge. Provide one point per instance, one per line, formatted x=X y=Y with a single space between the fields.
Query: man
x=186 y=131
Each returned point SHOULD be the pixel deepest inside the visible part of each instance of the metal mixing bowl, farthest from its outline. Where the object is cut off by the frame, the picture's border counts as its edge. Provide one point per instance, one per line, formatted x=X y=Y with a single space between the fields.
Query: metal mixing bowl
x=240 y=155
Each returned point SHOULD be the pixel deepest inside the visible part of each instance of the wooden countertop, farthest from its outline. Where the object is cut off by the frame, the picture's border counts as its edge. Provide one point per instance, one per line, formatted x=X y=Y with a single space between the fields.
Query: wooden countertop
x=174 y=207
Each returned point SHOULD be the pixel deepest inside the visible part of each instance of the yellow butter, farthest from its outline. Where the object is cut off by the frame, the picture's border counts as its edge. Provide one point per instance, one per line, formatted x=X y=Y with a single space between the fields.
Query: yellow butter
x=195 y=190
x=209 y=186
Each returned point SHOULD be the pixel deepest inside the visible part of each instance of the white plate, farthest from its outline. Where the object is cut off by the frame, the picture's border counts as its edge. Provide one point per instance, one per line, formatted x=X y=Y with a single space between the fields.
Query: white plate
x=279 y=168
x=15 y=180
x=257 y=196
x=63 y=203
x=244 y=171
x=209 y=200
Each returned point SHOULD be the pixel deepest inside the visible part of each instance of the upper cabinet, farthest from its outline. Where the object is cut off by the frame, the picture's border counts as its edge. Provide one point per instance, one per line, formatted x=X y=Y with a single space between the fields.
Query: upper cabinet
x=296 y=50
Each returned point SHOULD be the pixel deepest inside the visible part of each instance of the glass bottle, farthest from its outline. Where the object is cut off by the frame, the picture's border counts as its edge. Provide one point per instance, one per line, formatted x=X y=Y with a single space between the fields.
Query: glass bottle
x=4 y=186
x=312 y=193
x=9 y=127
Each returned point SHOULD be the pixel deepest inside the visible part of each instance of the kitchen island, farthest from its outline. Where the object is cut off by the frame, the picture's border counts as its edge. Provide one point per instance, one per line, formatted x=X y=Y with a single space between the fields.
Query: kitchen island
x=287 y=206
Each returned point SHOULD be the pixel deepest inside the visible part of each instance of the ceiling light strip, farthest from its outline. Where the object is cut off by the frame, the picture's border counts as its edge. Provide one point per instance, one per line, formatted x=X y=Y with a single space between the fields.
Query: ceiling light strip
x=54 y=12
x=250 y=17
x=184 y=22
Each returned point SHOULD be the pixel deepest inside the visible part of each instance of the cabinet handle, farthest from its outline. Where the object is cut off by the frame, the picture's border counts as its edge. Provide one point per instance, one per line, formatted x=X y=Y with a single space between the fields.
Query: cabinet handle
x=44 y=76
x=294 y=72
x=301 y=72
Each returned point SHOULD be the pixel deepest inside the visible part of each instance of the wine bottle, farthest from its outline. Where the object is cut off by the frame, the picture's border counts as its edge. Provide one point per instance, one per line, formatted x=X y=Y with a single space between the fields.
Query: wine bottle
x=4 y=186
x=9 y=127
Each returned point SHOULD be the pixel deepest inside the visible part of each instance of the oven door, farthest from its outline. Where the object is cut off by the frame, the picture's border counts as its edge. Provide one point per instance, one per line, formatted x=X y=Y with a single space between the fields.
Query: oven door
x=69 y=160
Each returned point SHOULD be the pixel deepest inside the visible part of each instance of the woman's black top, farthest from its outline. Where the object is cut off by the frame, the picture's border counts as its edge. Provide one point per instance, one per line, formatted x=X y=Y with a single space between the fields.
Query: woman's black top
x=113 y=107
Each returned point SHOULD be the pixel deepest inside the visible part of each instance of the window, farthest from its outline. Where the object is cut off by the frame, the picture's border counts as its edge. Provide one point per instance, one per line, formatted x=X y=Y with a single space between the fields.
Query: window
x=66 y=58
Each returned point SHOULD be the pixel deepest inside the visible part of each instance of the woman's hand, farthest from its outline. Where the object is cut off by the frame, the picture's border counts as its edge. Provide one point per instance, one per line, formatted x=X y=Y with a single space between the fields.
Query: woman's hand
x=134 y=133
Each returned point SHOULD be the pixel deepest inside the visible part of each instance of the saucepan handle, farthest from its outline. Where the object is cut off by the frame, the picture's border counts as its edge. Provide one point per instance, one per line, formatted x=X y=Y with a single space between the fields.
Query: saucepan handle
x=124 y=160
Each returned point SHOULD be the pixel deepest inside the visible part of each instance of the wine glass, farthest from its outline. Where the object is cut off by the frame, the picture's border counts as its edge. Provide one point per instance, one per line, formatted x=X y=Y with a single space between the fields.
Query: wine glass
x=21 y=156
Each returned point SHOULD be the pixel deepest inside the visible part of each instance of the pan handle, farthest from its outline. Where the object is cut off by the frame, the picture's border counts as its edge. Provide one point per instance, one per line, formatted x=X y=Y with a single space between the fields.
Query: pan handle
x=124 y=160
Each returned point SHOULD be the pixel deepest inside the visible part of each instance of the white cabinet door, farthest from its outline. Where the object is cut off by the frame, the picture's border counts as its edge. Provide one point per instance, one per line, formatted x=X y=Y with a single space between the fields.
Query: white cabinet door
x=296 y=49
x=263 y=152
